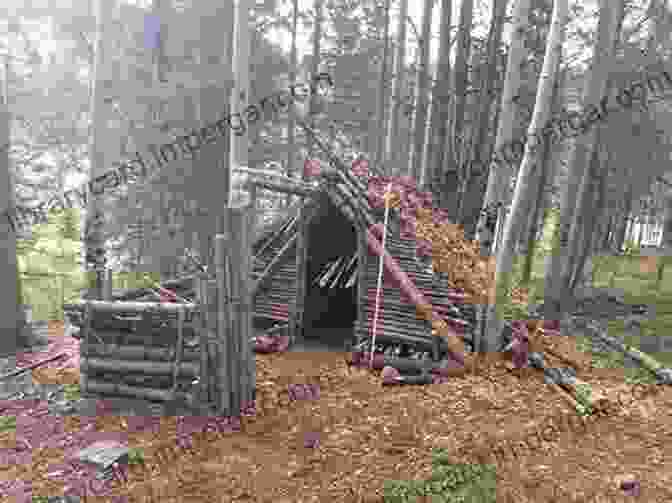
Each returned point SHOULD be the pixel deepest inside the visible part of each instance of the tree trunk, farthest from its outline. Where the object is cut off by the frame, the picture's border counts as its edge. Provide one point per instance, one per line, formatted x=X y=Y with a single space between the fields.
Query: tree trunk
x=557 y=277
x=291 y=123
x=93 y=229
x=457 y=139
x=382 y=90
x=395 y=152
x=640 y=234
x=438 y=130
x=500 y=174
x=223 y=44
x=585 y=204
x=10 y=318
x=622 y=225
x=241 y=74
x=588 y=229
x=421 y=92
x=524 y=190
x=666 y=241
x=315 y=62
x=538 y=211
x=480 y=148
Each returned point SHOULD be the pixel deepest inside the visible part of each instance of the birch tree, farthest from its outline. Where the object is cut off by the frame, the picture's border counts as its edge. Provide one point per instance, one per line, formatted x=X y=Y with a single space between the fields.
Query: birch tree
x=557 y=273
x=421 y=92
x=100 y=114
x=455 y=145
x=524 y=190
x=394 y=152
x=291 y=124
x=382 y=88
x=481 y=144
x=438 y=130
x=500 y=173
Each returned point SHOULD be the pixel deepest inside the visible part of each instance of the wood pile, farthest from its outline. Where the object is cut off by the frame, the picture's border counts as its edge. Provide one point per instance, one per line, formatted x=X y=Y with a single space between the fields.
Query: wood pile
x=141 y=350
x=196 y=352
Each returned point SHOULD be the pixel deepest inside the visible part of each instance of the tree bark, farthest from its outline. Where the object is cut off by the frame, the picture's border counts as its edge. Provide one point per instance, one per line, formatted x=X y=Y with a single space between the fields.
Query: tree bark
x=481 y=146
x=456 y=145
x=382 y=91
x=100 y=113
x=500 y=174
x=395 y=152
x=557 y=278
x=588 y=229
x=421 y=91
x=10 y=317
x=622 y=225
x=436 y=144
x=666 y=241
x=291 y=124
x=524 y=190
x=544 y=175
x=315 y=61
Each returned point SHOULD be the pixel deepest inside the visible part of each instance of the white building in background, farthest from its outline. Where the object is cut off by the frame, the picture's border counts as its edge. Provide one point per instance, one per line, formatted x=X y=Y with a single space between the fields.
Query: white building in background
x=652 y=231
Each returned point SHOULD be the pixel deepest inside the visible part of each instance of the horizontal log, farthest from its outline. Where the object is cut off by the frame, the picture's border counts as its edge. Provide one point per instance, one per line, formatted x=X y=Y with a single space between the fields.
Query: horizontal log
x=97 y=386
x=136 y=307
x=384 y=327
x=167 y=333
x=189 y=369
x=407 y=316
x=403 y=365
x=139 y=352
x=303 y=190
x=395 y=331
x=267 y=273
x=155 y=337
x=389 y=337
x=155 y=382
x=130 y=339
x=272 y=316
x=400 y=305
x=155 y=316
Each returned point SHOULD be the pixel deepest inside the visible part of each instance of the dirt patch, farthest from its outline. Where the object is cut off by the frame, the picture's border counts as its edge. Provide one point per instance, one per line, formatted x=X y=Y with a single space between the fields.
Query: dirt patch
x=368 y=434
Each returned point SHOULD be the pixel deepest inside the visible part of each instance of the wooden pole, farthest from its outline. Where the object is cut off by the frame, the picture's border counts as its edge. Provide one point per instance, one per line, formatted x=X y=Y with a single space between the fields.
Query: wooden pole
x=362 y=282
x=178 y=349
x=83 y=353
x=248 y=374
x=233 y=304
x=224 y=404
x=108 y=285
x=297 y=317
x=204 y=377
x=213 y=345
x=102 y=306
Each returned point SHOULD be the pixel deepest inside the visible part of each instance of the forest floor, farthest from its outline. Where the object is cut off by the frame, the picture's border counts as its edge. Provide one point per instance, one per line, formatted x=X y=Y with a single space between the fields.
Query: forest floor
x=370 y=435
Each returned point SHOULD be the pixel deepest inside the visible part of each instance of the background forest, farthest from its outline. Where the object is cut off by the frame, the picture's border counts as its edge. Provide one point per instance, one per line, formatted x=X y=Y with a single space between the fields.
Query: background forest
x=426 y=90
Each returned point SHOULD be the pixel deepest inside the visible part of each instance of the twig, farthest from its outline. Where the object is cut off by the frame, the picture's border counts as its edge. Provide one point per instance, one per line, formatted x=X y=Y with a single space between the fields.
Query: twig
x=34 y=365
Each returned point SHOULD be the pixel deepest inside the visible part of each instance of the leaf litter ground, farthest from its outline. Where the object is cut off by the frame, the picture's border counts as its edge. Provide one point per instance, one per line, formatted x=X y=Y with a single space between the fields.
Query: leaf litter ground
x=368 y=434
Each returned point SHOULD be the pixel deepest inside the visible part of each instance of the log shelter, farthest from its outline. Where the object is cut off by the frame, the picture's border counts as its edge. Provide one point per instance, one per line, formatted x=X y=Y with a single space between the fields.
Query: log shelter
x=325 y=290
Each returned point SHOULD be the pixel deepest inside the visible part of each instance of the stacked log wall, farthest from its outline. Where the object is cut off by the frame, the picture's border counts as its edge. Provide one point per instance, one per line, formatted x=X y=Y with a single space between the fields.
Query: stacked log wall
x=127 y=351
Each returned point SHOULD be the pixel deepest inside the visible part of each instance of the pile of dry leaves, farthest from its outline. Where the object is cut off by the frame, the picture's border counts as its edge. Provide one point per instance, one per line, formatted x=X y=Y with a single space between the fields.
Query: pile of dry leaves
x=362 y=434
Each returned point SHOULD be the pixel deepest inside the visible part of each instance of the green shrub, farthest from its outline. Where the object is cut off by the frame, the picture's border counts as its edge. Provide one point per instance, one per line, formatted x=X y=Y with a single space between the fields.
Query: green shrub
x=449 y=483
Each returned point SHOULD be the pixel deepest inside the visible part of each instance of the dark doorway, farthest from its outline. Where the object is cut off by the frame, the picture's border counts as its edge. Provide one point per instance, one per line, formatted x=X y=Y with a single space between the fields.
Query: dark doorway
x=331 y=290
